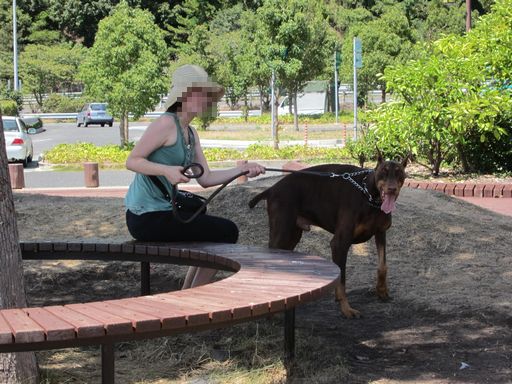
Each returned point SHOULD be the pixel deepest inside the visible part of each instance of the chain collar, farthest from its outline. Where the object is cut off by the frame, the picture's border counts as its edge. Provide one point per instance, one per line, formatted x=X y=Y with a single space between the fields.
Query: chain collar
x=363 y=188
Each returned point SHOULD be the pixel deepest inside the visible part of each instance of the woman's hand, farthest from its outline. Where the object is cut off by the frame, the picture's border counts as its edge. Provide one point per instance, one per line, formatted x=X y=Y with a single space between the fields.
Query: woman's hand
x=174 y=175
x=254 y=169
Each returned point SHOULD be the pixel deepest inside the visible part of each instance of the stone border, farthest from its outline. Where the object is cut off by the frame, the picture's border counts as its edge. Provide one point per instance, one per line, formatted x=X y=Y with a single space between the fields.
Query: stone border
x=496 y=190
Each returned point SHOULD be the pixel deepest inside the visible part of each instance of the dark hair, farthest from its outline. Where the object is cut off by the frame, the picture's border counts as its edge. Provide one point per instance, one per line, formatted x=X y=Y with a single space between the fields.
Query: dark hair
x=174 y=108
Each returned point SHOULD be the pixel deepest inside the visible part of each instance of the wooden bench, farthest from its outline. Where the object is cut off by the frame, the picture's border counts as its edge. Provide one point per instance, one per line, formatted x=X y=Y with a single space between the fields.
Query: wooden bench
x=266 y=281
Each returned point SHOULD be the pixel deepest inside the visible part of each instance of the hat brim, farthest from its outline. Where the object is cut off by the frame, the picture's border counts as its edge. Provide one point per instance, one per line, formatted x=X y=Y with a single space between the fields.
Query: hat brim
x=176 y=93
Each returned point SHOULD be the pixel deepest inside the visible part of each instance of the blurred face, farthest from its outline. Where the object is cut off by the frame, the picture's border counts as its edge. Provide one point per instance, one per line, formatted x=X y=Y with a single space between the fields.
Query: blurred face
x=197 y=101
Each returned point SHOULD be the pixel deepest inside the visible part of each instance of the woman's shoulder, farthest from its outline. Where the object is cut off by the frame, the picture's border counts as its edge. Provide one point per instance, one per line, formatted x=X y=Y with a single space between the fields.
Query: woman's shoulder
x=166 y=120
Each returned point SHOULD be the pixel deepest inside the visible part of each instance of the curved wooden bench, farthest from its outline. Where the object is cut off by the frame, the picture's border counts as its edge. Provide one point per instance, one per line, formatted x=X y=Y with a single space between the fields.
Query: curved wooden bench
x=266 y=281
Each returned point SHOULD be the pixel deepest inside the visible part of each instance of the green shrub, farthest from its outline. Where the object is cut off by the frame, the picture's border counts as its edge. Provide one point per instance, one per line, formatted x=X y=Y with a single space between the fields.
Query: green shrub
x=56 y=103
x=15 y=96
x=114 y=155
x=8 y=108
x=84 y=152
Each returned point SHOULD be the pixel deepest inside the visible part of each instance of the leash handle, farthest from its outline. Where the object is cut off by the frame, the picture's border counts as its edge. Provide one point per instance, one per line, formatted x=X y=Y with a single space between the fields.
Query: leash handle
x=191 y=169
x=174 y=193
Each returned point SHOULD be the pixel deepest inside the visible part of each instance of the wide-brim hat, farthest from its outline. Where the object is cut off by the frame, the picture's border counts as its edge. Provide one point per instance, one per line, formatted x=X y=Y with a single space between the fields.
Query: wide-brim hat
x=188 y=77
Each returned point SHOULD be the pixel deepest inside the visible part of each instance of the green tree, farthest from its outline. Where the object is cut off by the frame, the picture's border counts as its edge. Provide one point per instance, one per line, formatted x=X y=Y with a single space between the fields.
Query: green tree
x=384 y=38
x=293 y=38
x=14 y=367
x=443 y=101
x=126 y=66
x=45 y=69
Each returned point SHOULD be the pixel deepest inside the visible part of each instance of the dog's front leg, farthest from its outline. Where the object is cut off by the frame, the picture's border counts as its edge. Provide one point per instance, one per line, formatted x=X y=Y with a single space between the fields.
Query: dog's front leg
x=340 y=246
x=382 y=287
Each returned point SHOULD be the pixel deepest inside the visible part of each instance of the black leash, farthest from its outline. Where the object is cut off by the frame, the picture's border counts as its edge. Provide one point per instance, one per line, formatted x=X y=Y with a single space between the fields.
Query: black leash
x=347 y=176
x=192 y=171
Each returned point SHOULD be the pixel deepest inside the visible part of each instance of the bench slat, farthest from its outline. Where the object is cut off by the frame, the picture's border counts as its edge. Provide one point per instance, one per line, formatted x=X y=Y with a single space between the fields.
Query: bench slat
x=216 y=314
x=169 y=318
x=55 y=328
x=142 y=322
x=193 y=317
x=5 y=331
x=238 y=306
x=24 y=329
x=114 y=325
x=84 y=325
x=268 y=297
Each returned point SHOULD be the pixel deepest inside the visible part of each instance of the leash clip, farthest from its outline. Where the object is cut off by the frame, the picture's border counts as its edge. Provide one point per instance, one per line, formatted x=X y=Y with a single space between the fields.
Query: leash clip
x=344 y=176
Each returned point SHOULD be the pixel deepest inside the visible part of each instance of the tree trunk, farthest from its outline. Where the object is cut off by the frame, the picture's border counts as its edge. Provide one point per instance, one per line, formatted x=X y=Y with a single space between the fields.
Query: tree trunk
x=383 y=95
x=123 y=129
x=463 y=159
x=14 y=367
x=276 y=120
x=295 y=112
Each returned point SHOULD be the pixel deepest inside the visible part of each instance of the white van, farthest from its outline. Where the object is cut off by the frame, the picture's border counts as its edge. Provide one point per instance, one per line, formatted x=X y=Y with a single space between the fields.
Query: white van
x=312 y=101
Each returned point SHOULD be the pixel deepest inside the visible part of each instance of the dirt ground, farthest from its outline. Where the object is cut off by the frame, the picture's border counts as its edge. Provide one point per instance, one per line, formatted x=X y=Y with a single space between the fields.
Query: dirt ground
x=450 y=276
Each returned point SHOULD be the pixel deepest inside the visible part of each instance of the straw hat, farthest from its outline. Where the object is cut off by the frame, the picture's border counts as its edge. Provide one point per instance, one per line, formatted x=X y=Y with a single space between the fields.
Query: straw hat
x=187 y=77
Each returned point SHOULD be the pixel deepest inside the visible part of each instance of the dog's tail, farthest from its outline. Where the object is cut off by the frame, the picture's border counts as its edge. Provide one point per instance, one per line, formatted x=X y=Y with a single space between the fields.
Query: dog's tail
x=256 y=199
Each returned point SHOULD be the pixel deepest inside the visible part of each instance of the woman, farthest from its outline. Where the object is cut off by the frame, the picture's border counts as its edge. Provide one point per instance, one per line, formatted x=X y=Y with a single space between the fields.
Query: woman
x=166 y=147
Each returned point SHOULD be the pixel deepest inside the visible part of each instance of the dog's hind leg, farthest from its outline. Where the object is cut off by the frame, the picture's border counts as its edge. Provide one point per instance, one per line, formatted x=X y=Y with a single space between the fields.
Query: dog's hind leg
x=284 y=233
x=382 y=288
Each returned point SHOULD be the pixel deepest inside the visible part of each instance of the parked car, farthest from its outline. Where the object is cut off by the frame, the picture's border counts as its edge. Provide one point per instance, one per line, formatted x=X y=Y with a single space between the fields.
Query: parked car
x=94 y=113
x=17 y=140
x=33 y=124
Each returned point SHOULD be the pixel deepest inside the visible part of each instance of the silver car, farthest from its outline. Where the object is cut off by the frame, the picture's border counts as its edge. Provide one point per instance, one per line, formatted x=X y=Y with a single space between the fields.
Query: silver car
x=17 y=140
x=94 y=113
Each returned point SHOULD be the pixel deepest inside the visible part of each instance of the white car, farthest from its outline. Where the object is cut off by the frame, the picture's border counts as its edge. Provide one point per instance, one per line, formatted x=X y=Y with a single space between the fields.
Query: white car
x=17 y=140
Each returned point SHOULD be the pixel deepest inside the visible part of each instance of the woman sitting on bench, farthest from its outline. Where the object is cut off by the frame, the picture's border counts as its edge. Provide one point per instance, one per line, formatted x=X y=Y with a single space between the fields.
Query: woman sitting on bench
x=167 y=146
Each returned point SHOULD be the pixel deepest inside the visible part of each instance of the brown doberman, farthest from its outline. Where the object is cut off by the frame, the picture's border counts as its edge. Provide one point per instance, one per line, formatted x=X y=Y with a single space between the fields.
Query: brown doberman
x=353 y=204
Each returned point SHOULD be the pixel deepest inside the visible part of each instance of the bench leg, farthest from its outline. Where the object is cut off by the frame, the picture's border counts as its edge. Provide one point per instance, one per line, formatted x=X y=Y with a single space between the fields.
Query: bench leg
x=289 y=335
x=145 y=279
x=107 y=363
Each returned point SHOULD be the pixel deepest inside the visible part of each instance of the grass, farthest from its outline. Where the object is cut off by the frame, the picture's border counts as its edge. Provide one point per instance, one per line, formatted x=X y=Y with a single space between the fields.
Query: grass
x=263 y=133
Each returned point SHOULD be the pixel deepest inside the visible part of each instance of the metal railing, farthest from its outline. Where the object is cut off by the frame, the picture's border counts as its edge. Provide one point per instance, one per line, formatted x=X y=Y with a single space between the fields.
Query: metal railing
x=150 y=115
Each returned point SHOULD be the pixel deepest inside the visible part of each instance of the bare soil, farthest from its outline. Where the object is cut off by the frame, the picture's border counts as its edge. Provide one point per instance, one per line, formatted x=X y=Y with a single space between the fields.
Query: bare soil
x=450 y=320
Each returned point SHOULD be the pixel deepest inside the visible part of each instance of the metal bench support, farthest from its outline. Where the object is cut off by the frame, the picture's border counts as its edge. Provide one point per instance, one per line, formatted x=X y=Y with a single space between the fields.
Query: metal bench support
x=289 y=335
x=107 y=363
x=145 y=279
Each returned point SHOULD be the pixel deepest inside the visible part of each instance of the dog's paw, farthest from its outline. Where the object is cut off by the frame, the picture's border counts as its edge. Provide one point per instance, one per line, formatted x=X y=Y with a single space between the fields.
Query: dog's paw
x=349 y=312
x=382 y=293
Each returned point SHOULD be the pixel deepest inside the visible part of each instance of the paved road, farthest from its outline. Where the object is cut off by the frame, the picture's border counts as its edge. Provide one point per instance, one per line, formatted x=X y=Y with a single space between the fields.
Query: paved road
x=69 y=133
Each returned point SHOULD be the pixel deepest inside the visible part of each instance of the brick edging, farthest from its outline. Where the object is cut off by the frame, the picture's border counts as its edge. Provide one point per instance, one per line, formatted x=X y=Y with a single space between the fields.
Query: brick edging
x=464 y=189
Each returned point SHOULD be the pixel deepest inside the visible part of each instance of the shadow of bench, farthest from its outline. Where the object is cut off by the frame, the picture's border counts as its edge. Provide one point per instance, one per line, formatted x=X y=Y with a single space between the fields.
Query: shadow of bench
x=266 y=281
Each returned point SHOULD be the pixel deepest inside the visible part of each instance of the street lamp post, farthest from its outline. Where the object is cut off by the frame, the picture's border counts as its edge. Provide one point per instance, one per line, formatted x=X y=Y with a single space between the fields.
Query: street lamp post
x=15 y=45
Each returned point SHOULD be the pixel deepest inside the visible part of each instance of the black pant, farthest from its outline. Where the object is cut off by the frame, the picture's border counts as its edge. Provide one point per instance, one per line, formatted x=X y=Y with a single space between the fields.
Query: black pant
x=163 y=226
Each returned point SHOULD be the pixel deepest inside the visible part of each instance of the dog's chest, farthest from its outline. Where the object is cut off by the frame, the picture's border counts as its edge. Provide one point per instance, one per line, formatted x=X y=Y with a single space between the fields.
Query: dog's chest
x=365 y=229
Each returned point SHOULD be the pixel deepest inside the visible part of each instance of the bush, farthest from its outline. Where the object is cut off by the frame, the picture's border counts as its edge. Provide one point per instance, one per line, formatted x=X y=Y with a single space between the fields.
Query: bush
x=115 y=155
x=12 y=95
x=56 y=103
x=84 y=152
x=9 y=107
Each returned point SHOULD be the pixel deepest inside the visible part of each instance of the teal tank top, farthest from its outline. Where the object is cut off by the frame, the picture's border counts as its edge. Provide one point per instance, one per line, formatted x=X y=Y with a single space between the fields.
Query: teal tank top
x=143 y=195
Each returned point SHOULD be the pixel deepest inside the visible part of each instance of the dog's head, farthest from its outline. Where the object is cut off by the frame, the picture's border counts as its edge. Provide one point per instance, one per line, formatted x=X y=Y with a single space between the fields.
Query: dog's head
x=389 y=179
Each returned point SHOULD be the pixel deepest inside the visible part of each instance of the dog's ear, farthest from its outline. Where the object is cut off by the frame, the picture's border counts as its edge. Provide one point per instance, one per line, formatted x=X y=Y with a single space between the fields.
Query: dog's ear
x=406 y=159
x=380 y=159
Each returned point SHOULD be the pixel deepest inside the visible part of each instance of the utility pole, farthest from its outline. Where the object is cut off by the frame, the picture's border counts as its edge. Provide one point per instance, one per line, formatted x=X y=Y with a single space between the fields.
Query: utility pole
x=336 y=101
x=358 y=63
x=15 y=46
x=273 y=110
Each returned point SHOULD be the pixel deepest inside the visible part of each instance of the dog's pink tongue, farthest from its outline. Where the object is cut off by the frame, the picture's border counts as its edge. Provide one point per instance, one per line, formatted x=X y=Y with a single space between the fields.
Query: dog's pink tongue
x=388 y=204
